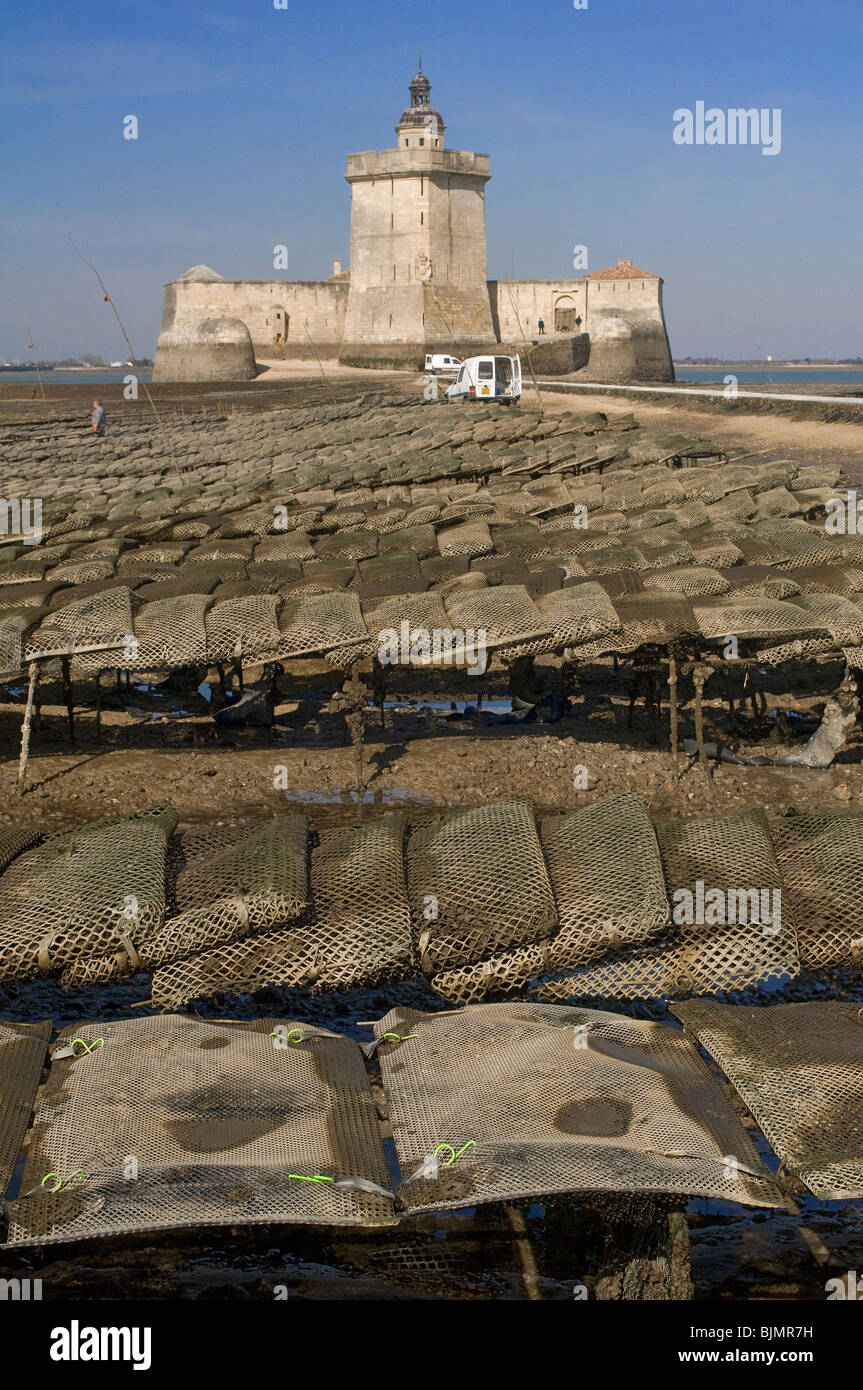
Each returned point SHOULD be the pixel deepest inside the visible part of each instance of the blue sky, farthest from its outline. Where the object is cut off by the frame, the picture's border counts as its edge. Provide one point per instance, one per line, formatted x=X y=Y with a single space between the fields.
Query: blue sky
x=246 y=114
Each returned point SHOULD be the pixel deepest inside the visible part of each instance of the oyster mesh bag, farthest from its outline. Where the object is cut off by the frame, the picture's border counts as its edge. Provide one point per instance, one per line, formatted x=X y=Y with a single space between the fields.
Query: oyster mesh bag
x=249 y=886
x=82 y=892
x=478 y=884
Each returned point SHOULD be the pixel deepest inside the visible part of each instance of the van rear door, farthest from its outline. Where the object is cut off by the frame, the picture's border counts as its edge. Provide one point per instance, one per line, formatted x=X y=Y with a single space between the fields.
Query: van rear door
x=485 y=376
x=502 y=376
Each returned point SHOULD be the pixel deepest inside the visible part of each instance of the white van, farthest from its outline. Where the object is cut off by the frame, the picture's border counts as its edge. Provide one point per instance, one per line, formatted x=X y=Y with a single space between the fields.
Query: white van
x=438 y=362
x=497 y=378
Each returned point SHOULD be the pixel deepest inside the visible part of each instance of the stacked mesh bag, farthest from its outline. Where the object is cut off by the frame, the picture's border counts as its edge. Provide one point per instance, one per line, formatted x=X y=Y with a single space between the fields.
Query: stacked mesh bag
x=78 y=894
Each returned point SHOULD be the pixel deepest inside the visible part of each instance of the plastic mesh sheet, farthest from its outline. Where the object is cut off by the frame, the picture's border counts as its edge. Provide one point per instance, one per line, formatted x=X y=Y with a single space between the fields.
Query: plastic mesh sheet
x=606 y=874
x=362 y=929
x=254 y=883
x=478 y=885
x=222 y=1122
x=81 y=892
x=22 y=1053
x=531 y=1100
x=821 y=861
x=799 y=1070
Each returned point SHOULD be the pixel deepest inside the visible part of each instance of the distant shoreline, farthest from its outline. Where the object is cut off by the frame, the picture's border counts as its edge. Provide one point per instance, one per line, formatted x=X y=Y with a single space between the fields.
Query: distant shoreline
x=771 y=366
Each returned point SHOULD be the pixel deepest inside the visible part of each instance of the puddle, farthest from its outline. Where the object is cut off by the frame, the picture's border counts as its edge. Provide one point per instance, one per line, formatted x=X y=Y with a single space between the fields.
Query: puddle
x=502 y=706
x=370 y=798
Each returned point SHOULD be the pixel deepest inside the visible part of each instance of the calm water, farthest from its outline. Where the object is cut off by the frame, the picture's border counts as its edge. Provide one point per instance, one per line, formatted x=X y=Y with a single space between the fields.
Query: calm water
x=797 y=375
x=105 y=378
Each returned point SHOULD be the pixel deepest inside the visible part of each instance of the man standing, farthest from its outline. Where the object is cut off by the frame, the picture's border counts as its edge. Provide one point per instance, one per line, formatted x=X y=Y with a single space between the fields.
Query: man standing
x=98 y=418
x=541 y=325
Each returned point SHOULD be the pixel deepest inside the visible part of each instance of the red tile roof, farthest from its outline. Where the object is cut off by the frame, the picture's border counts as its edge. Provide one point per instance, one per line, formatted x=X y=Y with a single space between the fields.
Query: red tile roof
x=624 y=270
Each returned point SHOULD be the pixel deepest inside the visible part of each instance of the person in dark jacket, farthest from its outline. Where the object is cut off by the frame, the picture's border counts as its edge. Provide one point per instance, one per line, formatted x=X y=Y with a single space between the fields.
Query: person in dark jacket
x=99 y=418
x=541 y=325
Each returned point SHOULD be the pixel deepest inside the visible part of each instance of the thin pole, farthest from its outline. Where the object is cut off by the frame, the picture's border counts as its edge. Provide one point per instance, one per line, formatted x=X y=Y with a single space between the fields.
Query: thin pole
x=25 y=727
x=673 y=711
x=527 y=351
x=67 y=696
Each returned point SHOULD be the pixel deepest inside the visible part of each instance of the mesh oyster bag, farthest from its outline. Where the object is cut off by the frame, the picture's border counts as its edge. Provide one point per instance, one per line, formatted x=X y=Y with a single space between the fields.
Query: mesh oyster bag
x=799 y=1070
x=362 y=928
x=606 y=875
x=250 y=885
x=285 y=957
x=821 y=861
x=478 y=885
x=506 y=614
x=525 y=1100
x=223 y=1122
x=316 y=623
x=243 y=627
x=82 y=892
x=732 y=926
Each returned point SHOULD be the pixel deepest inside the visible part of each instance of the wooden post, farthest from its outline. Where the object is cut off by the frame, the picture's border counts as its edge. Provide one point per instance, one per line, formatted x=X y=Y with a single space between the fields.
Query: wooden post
x=673 y=711
x=25 y=727
x=67 y=696
x=98 y=706
x=698 y=679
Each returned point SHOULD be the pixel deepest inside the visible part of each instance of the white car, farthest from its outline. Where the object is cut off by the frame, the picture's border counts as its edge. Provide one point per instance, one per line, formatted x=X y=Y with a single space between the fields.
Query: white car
x=494 y=378
x=437 y=362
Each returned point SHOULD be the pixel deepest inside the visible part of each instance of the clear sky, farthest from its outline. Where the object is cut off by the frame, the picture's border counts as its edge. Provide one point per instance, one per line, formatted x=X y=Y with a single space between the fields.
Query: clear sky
x=246 y=114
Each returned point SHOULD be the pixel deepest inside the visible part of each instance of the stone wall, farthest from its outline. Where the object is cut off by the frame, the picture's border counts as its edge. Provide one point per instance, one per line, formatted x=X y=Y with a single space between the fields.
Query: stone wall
x=310 y=314
x=518 y=305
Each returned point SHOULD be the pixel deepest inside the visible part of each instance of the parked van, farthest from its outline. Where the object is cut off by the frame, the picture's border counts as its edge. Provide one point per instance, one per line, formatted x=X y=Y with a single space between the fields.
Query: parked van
x=497 y=378
x=439 y=362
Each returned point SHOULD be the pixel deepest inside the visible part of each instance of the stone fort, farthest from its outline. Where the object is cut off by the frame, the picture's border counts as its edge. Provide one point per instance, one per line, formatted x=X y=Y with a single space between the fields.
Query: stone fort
x=416 y=284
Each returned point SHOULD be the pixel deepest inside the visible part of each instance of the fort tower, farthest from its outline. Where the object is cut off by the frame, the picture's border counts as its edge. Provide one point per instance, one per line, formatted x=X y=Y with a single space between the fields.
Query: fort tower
x=418 y=272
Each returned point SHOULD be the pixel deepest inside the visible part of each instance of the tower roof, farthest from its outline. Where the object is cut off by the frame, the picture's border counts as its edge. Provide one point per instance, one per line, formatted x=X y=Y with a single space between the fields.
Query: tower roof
x=420 y=113
x=624 y=270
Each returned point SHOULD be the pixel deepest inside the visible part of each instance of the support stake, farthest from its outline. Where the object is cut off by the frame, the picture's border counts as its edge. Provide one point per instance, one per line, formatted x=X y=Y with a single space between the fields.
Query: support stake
x=25 y=727
x=67 y=696
x=673 y=715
